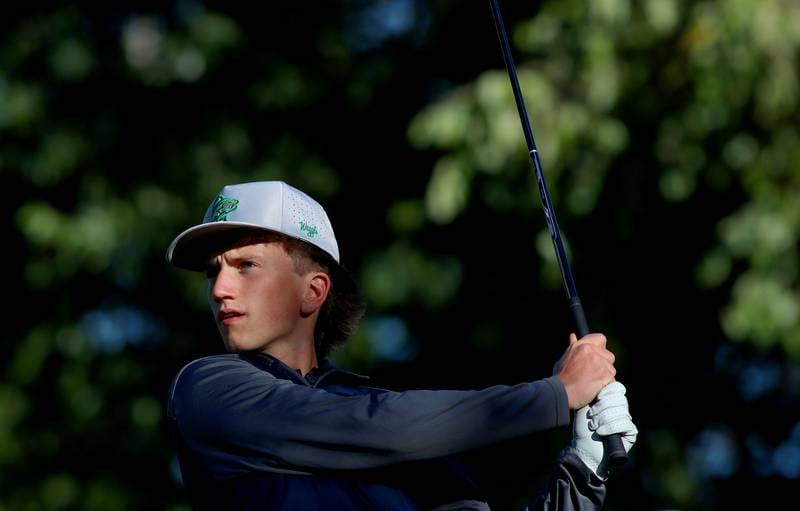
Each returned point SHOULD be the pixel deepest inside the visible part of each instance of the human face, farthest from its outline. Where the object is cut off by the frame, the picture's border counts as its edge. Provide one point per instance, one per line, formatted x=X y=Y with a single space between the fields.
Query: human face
x=255 y=295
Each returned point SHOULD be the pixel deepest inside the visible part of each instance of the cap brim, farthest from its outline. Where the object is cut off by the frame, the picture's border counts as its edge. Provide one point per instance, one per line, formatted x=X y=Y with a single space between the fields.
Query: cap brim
x=194 y=247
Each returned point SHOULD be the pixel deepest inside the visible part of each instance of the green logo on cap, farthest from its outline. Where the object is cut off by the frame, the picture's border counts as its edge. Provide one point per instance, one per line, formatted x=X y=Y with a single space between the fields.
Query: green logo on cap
x=224 y=206
x=310 y=230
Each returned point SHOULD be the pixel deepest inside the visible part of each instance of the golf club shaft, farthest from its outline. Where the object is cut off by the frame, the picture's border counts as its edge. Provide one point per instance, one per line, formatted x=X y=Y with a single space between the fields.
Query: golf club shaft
x=613 y=443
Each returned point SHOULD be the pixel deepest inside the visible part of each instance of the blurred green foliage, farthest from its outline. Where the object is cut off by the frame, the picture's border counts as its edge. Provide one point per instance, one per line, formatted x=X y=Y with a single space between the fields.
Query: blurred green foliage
x=667 y=130
x=719 y=84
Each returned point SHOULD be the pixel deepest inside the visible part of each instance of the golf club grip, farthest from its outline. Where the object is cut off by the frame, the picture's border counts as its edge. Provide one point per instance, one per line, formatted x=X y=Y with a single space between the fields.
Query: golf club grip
x=615 y=451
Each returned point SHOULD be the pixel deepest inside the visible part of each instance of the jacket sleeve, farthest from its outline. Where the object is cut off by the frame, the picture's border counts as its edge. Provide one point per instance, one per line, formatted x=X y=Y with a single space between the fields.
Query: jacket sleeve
x=572 y=487
x=236 y=418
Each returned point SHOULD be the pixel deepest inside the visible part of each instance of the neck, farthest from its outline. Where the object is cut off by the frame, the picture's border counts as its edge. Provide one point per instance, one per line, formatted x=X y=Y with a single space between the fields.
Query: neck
x=302 y=357
x=297 y=349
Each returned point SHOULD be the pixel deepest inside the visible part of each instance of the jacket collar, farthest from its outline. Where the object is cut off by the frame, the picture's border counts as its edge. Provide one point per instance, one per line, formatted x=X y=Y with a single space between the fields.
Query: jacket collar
x=319 y=377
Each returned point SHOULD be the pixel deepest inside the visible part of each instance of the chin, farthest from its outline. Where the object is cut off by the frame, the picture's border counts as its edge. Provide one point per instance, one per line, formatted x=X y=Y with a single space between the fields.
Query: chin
x=235 y=348
x=241 y=347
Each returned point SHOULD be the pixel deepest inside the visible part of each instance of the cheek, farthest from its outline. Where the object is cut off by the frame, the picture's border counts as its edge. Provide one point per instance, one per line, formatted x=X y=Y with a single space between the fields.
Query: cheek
x=213 y=306
x=279 y=299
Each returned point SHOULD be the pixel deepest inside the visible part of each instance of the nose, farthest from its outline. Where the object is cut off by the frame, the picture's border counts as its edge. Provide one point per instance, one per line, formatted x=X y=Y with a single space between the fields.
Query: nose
x=221 y=286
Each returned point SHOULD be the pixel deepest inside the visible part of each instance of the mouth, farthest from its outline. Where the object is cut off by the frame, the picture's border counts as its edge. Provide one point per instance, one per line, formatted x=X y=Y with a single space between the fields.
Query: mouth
x=229 y=316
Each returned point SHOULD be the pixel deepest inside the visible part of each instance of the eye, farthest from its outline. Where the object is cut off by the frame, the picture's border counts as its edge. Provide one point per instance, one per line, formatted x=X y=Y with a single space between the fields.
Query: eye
x=247 y=265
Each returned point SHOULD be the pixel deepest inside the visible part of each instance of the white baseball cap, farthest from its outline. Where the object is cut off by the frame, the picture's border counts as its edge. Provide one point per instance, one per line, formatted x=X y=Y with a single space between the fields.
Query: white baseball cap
x=269 y=205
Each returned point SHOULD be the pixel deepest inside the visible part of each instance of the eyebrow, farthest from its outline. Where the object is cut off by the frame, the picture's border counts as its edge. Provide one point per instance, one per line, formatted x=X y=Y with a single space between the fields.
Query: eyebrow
x=213 y=262
x=239 y=256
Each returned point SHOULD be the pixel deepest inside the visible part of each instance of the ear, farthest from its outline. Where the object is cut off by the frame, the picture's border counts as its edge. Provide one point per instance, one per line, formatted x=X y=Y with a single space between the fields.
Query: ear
x=318 y=284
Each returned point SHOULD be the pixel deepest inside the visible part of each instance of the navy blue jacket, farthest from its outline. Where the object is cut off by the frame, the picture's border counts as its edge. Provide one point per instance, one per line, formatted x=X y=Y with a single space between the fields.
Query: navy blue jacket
x=252 y=433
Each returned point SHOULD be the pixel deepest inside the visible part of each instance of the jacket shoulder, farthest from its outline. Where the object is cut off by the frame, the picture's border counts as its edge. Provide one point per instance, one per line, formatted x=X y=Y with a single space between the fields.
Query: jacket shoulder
x=212 y=363
x=212 y=371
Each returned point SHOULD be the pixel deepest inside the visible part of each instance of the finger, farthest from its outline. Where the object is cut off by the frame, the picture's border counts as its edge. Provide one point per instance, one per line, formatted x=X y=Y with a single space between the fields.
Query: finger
x=595 y=339
x=607 y=355
x=609 y=411
x=594 y=350
x=610 y=417
x=572 y=339
x=622 y=425
x=612 y=390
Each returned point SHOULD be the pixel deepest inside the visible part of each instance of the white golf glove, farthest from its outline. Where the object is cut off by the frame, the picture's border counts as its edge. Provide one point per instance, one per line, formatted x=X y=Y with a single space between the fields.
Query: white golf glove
x=606 y=416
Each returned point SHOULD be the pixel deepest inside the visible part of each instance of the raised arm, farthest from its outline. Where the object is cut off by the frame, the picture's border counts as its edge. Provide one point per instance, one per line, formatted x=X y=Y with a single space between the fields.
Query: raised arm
x=235 y=417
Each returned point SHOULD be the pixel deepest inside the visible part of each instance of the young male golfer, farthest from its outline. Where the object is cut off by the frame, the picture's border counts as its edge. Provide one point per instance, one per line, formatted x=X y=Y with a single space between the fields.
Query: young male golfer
x=272 y=425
